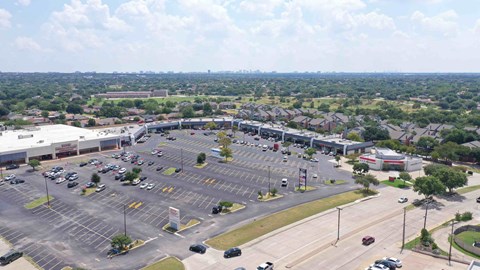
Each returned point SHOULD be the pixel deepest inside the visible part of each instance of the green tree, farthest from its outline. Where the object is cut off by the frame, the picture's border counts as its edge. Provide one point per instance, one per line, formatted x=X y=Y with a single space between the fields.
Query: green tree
x=91 y=122
x=95 y=179
x=121 y=241
x=273 y=192
x=431 y=169
x=137 y=170
x=226 y=152
x=360 y=167
x=45 y=114
x=373 y=133
x=34 y=163
x=451 y=178
x=130 y=176
x=353 y=136
x=310 y=152
x=427 y=143
x=225 y=204
x=211 y=125
x=74 y=108
x=188 y=112
x=201 y=158
x=234 y=130
x=405 y=177
x=366 y=181
x=292 y=124
x=207 y=108
x=428 y=186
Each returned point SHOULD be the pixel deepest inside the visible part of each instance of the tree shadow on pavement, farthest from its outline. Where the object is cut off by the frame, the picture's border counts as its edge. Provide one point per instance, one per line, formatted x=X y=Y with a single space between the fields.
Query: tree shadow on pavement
x=452 y=197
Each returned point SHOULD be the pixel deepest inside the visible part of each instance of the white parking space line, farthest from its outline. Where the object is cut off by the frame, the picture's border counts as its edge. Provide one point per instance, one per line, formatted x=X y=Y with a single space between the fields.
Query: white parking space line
x=211 y=201
x=199 y=197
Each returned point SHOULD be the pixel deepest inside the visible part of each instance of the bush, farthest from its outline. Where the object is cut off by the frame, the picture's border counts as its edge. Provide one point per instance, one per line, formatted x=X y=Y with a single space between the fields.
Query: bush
x=434 y=246
x=467 y=216
x=458 y=216
x=273 y=192
x=260 y=194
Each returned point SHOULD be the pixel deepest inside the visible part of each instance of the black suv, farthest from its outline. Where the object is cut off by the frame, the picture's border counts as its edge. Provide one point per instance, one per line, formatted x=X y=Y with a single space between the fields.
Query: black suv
x=12 y=167
x=10 y=257
x=217 y=209
x=233 y=252
x=72 y=184
x=389 y=264
x=198 y=248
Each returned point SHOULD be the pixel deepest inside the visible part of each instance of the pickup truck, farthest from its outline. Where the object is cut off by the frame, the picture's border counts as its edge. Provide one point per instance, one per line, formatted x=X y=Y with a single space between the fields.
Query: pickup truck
x=265 y=266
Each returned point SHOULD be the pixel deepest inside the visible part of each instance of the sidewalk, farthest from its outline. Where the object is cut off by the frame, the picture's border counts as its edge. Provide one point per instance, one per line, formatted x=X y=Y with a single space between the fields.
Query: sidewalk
x=441 y=238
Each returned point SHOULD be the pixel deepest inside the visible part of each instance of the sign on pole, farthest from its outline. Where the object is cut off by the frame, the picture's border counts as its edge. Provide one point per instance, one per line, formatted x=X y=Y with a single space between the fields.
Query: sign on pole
x=302 y=178
x=174 y=218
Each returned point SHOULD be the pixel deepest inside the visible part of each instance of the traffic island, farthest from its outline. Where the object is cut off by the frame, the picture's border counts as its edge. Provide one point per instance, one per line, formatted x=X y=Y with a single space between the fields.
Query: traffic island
x=87 y=191
x=268 y=197
x=169 y=171
x=236 y=207
x=304 y=189
x=200 y=166
x=183 y=227
x=38 y=202
x=333 y=182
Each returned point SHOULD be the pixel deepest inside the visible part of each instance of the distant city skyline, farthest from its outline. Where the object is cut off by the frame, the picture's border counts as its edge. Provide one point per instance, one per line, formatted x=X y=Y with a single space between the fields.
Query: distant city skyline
x=232 y=35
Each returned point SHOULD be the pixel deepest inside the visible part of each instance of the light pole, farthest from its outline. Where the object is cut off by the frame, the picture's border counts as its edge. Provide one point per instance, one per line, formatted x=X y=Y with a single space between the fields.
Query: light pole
x=125 y=219
x=450 y=249
x=426 y=213
x=46 y=187
x=338 y=228
x=403 y=235
x=181 y=154
x=268 y=179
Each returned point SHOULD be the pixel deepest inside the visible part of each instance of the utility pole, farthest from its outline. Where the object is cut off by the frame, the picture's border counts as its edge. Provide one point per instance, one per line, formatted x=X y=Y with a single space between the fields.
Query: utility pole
x=338 y=228
x=46 y=187
x=450 y=249
x=125 y=219
x=403 y=235
x=426 y=213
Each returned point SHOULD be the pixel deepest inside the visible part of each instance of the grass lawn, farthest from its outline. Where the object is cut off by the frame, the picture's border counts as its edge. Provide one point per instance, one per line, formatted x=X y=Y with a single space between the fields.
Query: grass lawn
x=411 y=244
x=467 y=189
x=190 y=223
x=169 y=263
x=278 y=220
x=89 y=191
x=169 y=171
x=337 y=182
x=38 y=202
x=234 y=208
x=468 y=237
x=397 y=183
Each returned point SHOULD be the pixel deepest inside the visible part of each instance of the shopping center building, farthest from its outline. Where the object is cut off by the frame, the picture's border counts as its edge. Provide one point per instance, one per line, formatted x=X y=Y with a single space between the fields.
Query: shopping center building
x=389 y=160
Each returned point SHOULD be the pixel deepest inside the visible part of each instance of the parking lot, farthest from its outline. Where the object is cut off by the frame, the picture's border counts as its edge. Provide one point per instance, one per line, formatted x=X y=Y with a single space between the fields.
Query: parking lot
x=78 y=227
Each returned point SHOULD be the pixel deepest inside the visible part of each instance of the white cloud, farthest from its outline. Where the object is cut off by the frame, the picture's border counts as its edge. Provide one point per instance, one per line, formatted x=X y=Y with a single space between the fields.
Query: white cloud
x=376 y=20
x=260 y=8
x=476 y=28
x=444 y=23
x=27 y=44
x=331 y=6
x=5 y=17
x=24 y=2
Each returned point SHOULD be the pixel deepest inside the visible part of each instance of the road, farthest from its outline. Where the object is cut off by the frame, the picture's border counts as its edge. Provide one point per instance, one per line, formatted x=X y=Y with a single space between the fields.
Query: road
x=311 y=244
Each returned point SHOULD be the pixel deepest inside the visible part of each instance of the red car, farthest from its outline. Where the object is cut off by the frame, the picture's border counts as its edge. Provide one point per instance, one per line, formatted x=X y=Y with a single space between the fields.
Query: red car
x=367 y=240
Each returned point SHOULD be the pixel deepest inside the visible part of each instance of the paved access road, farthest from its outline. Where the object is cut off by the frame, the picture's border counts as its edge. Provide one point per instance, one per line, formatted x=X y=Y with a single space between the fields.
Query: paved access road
x=311 y=244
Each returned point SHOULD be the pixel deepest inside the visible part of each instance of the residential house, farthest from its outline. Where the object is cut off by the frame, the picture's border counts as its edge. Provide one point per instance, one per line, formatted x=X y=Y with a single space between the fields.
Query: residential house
x=473 y=144
x=107 y=121
x=302 y=121
x=226 y=105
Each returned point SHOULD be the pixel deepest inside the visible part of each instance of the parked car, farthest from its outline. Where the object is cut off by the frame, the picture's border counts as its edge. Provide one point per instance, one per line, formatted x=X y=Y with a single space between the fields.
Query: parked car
x=284 y=182
x=177 y=170
x=83 y=164
x=377 y=267
x=143 y=185
x=150 y=163
x=198 y=248
x=11 y=256
x=396 y=261
x=10 y=177
x=122 y=171
x=143 y=178
x=72 y=184
x=12 y=167
x=136 y=181
x=89 y=185
x=118 y=176
x=60 y=180
x=367 y=240
x=159 y=168
x=217 y=209
x=150 y=186
x=17 y=181
x=100 y=187
x=314 y=175
x=389 y=264
x=403 y=200
x=478 y=200
x=232 y=252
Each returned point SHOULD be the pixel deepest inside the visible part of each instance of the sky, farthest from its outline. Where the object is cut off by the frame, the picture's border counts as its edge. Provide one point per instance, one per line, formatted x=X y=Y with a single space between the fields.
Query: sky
x=233 y=35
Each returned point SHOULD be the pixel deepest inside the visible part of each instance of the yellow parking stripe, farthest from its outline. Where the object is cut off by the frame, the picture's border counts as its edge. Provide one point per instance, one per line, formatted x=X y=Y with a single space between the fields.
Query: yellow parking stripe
x=138 y=205
x=170 y=190
x=164 y=189
x=132 y=204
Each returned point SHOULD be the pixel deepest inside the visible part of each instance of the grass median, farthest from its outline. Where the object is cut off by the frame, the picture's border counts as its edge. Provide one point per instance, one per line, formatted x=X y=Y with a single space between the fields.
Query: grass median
x=38 y=202
x=169 y=263
x=278 y=220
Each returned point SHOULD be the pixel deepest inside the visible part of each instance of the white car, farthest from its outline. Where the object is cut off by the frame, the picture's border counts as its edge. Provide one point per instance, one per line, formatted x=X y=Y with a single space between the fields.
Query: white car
x=122 y=171
x=143 y=185
x=100 y=187
x=314 y=175
x=150 y=186
x=314 y=160
x=154 y=152
x=377 y=267
x=10 y=177
x=60 y=180
x=396 y=261
x=136 y=182
x=403 y=200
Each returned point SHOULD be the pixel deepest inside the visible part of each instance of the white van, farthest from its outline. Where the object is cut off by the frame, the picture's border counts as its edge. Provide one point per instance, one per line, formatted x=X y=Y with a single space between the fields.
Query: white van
x=284 y=182
x=285 y=158
x=265 y=148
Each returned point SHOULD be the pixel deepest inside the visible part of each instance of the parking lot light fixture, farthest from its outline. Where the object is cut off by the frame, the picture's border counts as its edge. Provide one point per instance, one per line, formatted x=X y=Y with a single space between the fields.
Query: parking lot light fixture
x=338 y=228
x=269 y=180
x=46 y=187
x=181 y=154
x=125 y=219
x=426 y=213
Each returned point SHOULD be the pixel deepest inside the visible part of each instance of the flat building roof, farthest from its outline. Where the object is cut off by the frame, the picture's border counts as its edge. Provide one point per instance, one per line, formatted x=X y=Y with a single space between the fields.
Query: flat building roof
x=40 y=136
